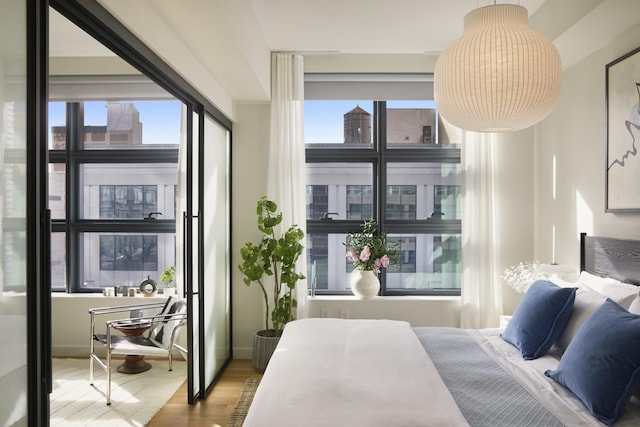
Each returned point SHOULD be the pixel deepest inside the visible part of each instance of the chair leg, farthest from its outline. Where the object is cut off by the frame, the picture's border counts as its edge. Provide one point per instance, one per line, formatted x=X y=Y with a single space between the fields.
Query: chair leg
x=91 y=368
x=170 y=361
x=92 y=347
x=108 y=376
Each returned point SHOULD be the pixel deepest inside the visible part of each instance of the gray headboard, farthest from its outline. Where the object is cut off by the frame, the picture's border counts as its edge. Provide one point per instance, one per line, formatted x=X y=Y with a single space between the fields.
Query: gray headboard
x=610 y=257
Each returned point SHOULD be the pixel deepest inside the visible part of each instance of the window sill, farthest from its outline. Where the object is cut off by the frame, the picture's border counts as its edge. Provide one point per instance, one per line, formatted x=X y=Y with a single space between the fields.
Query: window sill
x=97 y=295
x=351 y=298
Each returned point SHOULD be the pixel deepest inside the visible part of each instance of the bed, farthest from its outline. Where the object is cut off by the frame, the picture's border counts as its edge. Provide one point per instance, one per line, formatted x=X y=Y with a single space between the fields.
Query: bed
x=569 y=357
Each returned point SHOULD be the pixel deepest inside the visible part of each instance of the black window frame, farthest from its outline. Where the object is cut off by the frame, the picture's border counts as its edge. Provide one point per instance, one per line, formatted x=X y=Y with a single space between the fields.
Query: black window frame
x=379 y=155
x=73 y=225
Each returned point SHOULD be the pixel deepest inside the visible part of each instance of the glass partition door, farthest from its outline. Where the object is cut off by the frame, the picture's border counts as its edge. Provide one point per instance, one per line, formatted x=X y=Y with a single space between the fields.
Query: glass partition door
x=192 y=267
x=13 y=239
x=207 y=256
x=216 y=327
x=24 y=285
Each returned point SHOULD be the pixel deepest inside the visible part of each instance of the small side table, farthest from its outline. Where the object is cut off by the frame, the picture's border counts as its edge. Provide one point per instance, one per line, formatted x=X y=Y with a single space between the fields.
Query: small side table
x=134 y=363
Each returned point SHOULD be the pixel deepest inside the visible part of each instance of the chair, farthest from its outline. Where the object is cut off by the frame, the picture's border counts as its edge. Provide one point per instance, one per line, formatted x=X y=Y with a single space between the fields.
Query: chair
x=163 y=329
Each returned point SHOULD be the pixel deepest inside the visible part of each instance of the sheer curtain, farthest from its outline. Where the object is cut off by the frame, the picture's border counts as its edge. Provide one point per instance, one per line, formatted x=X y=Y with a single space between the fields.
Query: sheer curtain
x=481 y=294
x=181 y=201
x=286 y=180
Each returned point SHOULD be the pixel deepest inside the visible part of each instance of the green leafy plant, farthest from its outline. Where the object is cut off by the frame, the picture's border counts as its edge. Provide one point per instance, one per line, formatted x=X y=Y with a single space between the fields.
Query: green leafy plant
x=168 y=276
x=368 y=250
x=276 y=256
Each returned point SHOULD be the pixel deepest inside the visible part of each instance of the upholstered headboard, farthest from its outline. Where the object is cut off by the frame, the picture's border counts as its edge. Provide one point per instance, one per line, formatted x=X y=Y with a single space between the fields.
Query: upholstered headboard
x=611 y=257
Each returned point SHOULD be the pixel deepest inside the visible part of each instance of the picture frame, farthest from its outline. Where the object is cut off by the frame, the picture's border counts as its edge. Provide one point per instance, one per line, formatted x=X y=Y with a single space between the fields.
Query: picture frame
x=622 y=192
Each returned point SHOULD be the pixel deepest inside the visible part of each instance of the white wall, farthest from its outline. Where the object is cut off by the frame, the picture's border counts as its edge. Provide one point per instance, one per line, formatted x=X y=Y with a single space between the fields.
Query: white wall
x=249 y=173
x=70 y=327
x=575 y=135
x=418 y=311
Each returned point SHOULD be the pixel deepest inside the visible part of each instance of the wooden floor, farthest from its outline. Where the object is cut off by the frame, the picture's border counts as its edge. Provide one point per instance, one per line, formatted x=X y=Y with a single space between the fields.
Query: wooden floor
x=215 y=410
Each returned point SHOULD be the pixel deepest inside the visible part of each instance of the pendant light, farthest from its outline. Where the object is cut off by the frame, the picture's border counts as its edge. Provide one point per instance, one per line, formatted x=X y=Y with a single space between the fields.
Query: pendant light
x=500 y=75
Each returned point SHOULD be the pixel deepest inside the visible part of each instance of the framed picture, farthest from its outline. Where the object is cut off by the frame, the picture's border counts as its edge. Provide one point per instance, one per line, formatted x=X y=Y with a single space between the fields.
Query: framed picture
x=623 y=134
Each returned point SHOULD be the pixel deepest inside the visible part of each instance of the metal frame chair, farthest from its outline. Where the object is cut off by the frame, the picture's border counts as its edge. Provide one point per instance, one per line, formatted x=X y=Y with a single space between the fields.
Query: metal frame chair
x=171 y=316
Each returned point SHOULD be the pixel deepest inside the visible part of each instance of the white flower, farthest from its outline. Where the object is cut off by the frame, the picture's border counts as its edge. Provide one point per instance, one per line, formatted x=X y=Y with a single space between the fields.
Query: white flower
x=521 y=276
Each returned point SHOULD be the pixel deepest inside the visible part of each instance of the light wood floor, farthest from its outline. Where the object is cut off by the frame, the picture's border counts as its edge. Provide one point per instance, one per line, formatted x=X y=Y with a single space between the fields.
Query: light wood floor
x=215 y=410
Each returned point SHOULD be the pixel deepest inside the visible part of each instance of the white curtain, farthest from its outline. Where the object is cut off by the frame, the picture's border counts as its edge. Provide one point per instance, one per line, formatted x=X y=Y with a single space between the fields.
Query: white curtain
x=481 y=294
x=286 y=180
x=181 y=200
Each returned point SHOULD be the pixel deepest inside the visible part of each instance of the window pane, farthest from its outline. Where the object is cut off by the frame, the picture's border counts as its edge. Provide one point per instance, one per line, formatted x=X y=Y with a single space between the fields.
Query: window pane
x=128 y=191
x=344 y=190
x=405 y=247
x=401 y=202
x=57 y=125
x=317 y=201
x=426 y=262
x=115 y=259
x=58 y=261
x=411 y=124
x=423 y=190
x=326 y=261
x=131 y=124
x=328 y=123
x=416 y=124
x=128 y=252
x=57 y=193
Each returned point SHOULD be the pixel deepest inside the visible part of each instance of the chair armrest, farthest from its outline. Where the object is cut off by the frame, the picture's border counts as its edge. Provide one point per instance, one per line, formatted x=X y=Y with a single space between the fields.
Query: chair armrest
x=148 y=319
x=123 y=308
x=93 y=312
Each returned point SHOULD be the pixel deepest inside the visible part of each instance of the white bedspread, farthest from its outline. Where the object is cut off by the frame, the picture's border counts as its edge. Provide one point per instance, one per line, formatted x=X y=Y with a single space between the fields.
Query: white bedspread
x=334 y=372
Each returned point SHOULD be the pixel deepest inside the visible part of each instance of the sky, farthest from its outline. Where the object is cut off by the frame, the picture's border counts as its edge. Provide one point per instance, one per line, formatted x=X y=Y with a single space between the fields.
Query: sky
x=160 y=119
x=324 y=120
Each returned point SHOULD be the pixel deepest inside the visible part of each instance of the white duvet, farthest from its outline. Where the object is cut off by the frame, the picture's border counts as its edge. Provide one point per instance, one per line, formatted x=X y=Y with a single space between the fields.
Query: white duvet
x=333 y=372
x=370 y=373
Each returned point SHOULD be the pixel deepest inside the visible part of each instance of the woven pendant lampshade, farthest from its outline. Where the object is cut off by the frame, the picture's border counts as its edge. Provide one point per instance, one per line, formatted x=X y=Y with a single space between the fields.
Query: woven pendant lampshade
x=500 y=75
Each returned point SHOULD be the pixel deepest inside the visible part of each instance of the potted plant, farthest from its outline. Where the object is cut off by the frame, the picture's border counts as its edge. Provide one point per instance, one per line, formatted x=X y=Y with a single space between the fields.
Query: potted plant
x=167 y=278
x=272 y=261
x=369 y=253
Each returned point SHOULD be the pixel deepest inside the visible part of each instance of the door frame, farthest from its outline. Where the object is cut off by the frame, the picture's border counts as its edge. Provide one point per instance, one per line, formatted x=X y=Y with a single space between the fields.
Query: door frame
x=38 y=265
x=95 y=20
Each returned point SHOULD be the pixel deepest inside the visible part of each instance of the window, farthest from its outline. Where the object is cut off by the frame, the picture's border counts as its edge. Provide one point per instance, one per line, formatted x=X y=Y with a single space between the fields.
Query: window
x=317 y=201
x=406 y=253
x=394 y=162
x=128 y=253
x=359 y=202
x=112 y=164
x=401 y=202
x=127 y=201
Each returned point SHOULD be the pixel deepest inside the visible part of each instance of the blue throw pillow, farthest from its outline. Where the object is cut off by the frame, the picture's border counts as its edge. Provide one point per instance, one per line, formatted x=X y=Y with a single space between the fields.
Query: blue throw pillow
x=601 y=366
x=539 y=318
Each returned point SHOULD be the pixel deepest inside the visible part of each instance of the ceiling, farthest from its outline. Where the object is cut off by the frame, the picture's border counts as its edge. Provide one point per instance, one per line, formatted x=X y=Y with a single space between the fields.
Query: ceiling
x=224 y=46
x=365 y=26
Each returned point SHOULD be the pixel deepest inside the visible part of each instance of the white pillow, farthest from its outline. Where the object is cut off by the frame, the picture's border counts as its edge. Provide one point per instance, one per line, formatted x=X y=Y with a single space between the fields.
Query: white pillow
x=587 y=301
x=556 y=280
x=622 y=293
x=635 y=306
